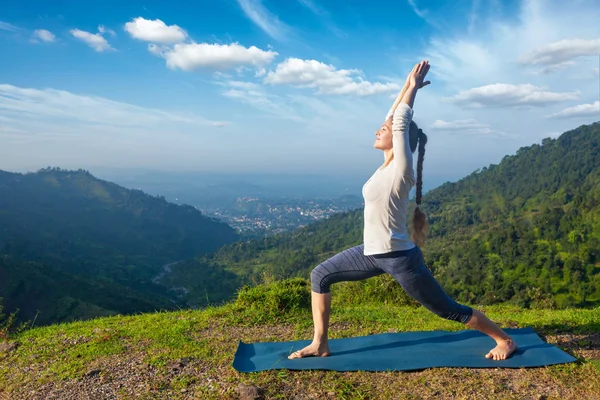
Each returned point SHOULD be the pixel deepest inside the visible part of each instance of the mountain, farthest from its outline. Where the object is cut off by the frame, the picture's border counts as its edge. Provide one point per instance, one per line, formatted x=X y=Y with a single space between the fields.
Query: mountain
x=526 y=230
x=73 y=246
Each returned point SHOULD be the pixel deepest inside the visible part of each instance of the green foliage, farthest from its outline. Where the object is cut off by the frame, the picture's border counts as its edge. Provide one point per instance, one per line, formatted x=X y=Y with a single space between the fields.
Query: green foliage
x=525 y=230
x=75 y=247
x=8 y=323
x=382 y=289
x=539 y=299
x=275 y=299
x=202 y=284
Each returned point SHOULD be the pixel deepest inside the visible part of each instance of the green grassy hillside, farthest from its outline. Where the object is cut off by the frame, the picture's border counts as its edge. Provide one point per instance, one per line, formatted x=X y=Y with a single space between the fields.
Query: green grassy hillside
x=188 y=354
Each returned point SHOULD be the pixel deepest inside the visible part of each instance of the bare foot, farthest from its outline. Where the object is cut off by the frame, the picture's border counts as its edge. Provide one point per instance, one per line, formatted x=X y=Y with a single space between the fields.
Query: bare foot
x=312 y=350
x=503 y=350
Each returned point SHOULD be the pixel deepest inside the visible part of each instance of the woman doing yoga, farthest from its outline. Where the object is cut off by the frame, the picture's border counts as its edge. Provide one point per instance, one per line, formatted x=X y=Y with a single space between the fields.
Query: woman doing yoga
x=387 y=247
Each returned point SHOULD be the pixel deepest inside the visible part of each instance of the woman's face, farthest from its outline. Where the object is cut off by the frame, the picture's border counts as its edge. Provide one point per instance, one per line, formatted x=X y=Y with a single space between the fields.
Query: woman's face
x=383 y=140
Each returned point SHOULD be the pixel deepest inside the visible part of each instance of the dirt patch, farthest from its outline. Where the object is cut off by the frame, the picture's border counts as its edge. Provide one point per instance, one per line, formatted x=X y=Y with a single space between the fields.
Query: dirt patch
x=583 y=346
x=7 y=347
x=129 y=376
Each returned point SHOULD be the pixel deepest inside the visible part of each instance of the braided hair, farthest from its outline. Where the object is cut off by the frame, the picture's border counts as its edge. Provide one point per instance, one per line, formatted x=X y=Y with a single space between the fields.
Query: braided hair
x=420 y=226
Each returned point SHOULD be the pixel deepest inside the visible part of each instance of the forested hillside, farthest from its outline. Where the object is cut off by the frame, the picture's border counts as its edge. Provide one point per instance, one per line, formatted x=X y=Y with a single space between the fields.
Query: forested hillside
x=73 y=246
x=526 y=230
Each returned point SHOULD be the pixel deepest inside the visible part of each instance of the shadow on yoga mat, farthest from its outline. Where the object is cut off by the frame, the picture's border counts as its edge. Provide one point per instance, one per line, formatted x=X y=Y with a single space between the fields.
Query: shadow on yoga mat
x=404 y=351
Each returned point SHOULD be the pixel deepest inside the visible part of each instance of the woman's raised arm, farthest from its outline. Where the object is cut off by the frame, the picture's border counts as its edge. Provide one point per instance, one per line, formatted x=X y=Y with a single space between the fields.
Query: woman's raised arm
x=403 y=113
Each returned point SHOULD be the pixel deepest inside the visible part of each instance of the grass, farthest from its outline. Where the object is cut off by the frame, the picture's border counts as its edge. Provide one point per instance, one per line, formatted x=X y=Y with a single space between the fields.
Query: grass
x=188 y=353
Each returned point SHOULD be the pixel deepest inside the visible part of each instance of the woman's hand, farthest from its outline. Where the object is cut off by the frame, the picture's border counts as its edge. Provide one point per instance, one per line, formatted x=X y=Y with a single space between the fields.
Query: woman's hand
x=414 y=81
x=417 y=75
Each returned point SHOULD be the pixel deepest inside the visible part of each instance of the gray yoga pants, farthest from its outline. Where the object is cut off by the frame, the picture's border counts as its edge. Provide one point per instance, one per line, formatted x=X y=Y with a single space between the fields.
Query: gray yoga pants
x=406 y=266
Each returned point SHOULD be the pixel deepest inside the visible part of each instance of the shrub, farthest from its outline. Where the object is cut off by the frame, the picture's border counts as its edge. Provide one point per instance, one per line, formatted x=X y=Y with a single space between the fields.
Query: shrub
x=382 y=289
x=276 y=298
x=8 y=323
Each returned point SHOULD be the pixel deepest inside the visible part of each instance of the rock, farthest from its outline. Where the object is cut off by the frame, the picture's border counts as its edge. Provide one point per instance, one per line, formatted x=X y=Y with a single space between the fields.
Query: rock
x=7 y=347
x=185 y=360
x=249 y=392
x=177 y=365
x=92 y=373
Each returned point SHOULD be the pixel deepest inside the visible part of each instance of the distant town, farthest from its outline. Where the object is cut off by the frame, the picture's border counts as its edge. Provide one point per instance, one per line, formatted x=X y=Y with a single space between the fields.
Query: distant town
x=253 y=215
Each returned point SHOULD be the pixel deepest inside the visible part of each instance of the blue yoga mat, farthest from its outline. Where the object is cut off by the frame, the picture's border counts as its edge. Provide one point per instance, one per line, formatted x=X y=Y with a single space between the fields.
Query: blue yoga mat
x=404 y=351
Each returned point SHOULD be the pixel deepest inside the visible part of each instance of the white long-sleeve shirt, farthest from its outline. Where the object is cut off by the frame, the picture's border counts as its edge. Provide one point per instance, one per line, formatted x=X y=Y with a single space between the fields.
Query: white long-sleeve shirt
x=386 y=193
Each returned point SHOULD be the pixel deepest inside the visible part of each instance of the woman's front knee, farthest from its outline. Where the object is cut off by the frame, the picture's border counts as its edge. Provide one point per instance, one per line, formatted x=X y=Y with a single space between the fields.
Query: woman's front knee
x=316 y=280
x=314 y=274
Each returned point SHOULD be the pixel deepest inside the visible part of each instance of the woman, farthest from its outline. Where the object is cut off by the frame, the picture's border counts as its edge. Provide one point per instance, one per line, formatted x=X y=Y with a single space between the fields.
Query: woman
x=387 y=246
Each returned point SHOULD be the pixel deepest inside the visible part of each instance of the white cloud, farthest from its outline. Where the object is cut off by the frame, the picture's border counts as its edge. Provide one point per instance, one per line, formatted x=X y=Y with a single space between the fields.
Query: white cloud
x=325 y=78
x=592 y=74
x=580 y=111
x=506 y=95
x=191 y=56
x=5 y=26
x=155 y=31
x=323 y=14
x=473 y=16
x=35 y=104
x=459 y=58
x=254 y=95
x=95 y=40
x=157 y=50
x=562 y=52
x=457 y=125
x=44 y=35
x=313 y=7
x=55 y=127
x=242 y=85
x=550 y=69
x=465 y=126
x=266 y=21
x=417 y=10
x=102 y=29
x=424 y=14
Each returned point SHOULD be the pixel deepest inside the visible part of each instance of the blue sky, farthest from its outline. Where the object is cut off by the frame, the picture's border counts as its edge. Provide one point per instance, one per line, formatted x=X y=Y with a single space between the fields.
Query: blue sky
x=296 y=86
